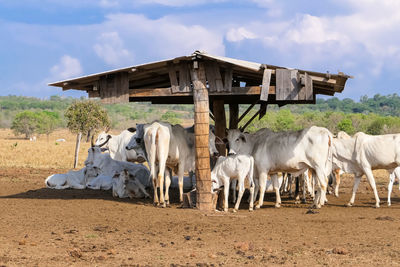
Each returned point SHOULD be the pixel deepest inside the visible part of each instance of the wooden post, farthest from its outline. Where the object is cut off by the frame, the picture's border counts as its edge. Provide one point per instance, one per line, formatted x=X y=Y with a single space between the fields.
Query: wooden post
x=233 y=116
x=201 y=131
x=220 y=123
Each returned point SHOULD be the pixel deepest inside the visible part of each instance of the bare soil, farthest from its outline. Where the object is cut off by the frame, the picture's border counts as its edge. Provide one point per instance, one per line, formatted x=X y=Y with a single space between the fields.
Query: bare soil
x=44 y=227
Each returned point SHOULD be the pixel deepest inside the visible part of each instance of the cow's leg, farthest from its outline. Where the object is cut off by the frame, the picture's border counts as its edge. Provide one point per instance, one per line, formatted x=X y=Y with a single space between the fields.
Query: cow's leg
x=256 y=188
x=233 y=188
x=284 y=183
x=304 y=198
x=371 y=180
x=297 y=191
x=251 y=204
x=240 y=181
x=337 y=182
x=167 y=184
x=263 y=176
x=390 y=187
x=321 y=191
x=226 y=193
x=181 y=172
x=275 y=184
x=357 y=180
x=290 y=183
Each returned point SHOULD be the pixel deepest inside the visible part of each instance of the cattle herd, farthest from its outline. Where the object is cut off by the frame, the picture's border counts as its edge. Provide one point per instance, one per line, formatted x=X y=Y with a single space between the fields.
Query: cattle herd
x=312 y=155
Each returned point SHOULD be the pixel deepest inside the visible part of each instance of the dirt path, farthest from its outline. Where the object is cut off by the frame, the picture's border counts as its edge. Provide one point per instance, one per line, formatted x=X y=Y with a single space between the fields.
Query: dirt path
x=43 y=227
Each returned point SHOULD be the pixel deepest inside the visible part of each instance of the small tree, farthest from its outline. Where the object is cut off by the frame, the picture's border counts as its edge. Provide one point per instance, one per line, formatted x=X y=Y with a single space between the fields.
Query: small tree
x=26 y=123
x=47 y=122
x=83 y=117
x=346 y=125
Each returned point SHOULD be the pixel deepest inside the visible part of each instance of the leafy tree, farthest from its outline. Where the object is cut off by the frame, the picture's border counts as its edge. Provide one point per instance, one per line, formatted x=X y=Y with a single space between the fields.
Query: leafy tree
x=26 y=123
x=346 y=125
x=376 y=127
x=284 y=120
x=84 y=117
x=47 y=122
x=171 y=117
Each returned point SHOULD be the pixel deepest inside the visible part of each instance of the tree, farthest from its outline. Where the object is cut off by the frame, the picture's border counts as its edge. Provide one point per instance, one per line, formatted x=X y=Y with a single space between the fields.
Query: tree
x=346 y=125
x=84 y=117
x=26 y=123
x=47 y=122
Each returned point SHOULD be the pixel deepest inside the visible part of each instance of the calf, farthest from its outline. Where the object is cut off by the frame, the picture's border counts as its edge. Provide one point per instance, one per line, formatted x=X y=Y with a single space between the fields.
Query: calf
x=126 y=185
x=231 y=167
x=101 y=182
x=72 y=179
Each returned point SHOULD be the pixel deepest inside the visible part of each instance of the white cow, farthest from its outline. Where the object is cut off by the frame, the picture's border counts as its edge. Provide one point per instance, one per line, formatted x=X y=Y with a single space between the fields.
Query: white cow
x=171 y=146
x=72 y=179
x=292 y=152
x=125 y=184
x=101 y=182
x=237 y=167
x=393 y=175
x=109 y=167
x=116 y=145
x=363 y=153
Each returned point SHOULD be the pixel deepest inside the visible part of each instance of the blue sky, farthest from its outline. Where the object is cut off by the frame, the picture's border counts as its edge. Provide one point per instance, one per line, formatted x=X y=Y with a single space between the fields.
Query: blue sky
x=50 y=40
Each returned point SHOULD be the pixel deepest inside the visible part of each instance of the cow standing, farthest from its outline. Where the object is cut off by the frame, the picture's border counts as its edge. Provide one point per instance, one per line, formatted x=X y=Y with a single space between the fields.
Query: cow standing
x=291 y=152
x=167 y=145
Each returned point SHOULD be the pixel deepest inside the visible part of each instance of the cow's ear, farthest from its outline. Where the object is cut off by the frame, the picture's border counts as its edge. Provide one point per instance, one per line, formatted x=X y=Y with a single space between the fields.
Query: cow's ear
x=243 y=138
x=132 y=129
x=109 y=136
x=225 y=140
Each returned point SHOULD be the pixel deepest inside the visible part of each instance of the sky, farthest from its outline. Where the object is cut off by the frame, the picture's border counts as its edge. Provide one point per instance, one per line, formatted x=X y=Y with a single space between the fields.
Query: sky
x=44 y=41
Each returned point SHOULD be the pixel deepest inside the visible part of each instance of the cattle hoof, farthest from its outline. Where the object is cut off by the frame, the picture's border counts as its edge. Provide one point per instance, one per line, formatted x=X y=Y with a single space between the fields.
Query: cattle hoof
x=388 y=204
x=336 y=195
x=297 y=202
x=277 y=205
x=234 y=210
x=225 y=210
x=377 y=206
x=349 y=204
x=251 y=209
x=257 y=207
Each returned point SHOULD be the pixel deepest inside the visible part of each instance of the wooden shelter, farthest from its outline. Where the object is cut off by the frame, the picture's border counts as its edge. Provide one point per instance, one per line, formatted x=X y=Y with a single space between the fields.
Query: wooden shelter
x=209 y=82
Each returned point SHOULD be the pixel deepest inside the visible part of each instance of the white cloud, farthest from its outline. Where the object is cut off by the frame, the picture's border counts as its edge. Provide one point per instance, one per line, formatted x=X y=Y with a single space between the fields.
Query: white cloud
x=68 y=67
x=239 y=34
x=111 y=49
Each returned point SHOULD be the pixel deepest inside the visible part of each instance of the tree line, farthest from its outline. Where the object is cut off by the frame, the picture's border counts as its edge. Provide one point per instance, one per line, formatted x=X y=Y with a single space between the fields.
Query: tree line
x=376 y=115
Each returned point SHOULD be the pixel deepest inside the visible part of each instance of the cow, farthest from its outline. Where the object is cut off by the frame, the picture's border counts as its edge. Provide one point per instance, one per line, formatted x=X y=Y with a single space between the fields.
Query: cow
x=336 y=172
x=363 y=153
x=116 y=144
x=101 y=182
x=165 y=145
x=292 y=152
x=125 y=184
x=392 y=177
x=72 y=179
x=237 y=167
x=109 y=167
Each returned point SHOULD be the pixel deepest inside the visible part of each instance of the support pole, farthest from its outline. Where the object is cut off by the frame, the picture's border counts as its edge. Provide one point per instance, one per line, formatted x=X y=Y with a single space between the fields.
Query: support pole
x=201 y=131
x=233 y=116
x=220 y=123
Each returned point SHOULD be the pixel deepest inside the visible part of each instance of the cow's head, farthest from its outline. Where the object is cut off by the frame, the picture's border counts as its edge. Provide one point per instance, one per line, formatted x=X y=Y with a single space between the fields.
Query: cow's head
x=94 y=158
x=137 y=143
x=102 y=139
x=238 y=142
x=118 y=186
x=212 y=141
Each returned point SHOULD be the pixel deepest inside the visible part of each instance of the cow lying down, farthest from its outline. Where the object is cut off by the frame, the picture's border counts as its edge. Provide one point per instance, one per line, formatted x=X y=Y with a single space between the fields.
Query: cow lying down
x=125 y=184
x=72 y=179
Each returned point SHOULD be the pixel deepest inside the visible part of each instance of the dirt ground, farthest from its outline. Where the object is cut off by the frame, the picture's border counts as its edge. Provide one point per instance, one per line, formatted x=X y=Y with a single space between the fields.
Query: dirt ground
x=44 y=227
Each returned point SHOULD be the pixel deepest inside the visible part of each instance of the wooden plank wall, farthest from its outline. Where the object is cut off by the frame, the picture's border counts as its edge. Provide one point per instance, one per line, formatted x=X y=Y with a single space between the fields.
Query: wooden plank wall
x=289 y=85
x=114 y=88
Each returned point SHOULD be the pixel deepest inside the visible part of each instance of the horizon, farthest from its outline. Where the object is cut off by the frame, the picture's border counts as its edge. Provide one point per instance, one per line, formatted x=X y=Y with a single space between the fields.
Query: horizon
x=60 y=40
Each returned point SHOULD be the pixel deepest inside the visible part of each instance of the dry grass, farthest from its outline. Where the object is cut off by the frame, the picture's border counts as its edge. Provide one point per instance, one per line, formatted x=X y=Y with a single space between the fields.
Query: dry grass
x=18 y=152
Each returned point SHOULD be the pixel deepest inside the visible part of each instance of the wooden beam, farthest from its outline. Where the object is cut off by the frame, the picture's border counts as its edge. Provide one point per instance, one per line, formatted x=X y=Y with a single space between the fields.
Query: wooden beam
x=220 y=123
x=162 y=92
x=228 y=80
x=201 y=131
x=247 y=111
x=233 y=116
x=173 y=79
x=265 y=85
x=249 y=121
